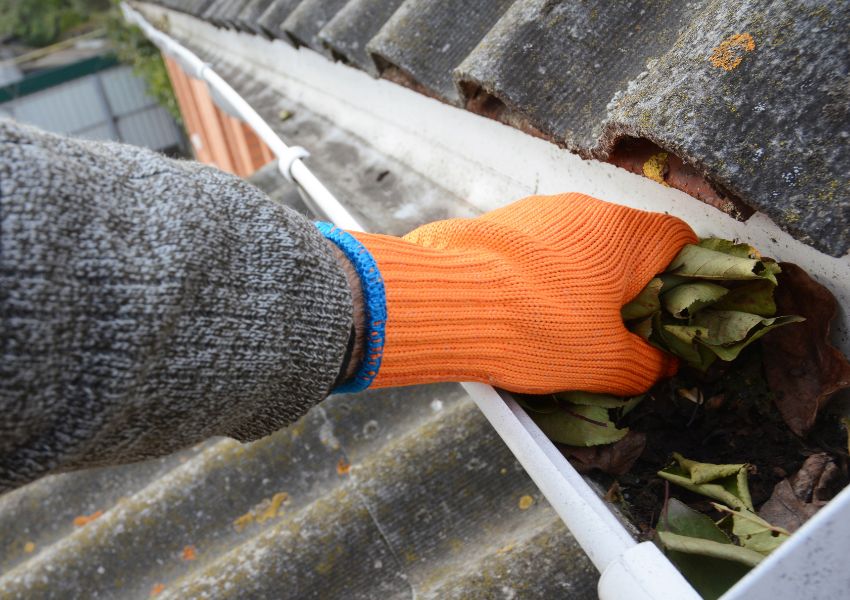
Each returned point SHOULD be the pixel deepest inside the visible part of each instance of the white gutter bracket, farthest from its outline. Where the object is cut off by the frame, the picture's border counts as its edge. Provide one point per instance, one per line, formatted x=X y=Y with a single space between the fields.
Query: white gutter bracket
x=285 y=162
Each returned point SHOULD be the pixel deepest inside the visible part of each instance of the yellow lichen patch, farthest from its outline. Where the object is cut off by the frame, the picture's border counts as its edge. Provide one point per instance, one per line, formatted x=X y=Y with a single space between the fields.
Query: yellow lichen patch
x=791 y=216
x=189 y=553
x=656 y=167
x=329 y=560
x=271 y=511
x=525 y=502
x=86 y=519
x=29 y=547
x=242 y=522
x=266 y=509
x=157 y=589
x=343 y=467
x=507 y=548
x=729 y=53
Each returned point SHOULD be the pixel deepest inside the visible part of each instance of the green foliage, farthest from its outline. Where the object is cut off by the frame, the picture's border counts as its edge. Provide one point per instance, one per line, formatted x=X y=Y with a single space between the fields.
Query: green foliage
x=578 y=418
x=707 y=555
x=702 y=551
x=579 y=425
x=42 y=22
x=715 y=299
x=133 y=48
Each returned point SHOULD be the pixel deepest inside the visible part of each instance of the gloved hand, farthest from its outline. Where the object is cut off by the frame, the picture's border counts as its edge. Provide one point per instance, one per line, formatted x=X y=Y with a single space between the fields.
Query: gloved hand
x=526 y=297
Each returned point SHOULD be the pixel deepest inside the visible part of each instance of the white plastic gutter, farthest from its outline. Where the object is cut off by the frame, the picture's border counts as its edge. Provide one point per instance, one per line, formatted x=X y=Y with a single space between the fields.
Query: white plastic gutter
x=288 y=157
x=637 y=571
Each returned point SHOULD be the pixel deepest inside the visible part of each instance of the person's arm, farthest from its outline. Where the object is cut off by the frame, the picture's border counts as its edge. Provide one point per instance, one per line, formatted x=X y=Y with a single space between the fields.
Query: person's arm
x=147 y=304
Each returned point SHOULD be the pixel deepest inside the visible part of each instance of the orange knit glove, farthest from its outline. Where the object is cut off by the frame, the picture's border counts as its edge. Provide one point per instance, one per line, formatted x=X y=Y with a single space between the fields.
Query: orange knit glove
x=526 y=297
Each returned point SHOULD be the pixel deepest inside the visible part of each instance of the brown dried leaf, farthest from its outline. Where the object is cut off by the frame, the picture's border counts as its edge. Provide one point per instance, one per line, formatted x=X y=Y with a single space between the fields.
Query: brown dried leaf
x=614 y=459
x=797 y=498
x=803 y=369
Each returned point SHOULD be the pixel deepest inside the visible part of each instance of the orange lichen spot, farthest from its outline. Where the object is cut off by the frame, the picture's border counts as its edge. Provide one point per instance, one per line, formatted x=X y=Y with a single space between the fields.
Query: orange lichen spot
x=157 y=589
x=525 y=502
x=189 y=553
x=86 y=519
x=29 y=547
x=242 y=522
x=343 y=467
x=729 y=53
x=271 y=511
x=655 y=168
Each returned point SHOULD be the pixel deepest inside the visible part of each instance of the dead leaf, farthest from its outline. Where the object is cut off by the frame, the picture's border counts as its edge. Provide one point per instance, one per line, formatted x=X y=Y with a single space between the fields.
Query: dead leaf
x=578 y=425
x=696 y=355
x=753 y=532
x=802 y=367
x=796 y=499
x=725 y=326
x=704 y=263
x=813 y=482
x=614 y=459
x=690 y=545
x=730 y=247
x=754 y=297
x=709 y=567
x=645 y=304
x=614 y=494
x=725 y=483
x=687 y=299
x=592 y=399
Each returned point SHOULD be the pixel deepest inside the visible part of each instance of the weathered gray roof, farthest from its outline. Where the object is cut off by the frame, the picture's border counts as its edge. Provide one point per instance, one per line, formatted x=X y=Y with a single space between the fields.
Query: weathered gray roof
x=753 y=94
x=434 y=505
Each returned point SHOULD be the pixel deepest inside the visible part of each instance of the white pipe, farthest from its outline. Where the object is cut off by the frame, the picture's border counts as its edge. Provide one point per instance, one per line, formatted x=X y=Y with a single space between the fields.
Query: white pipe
x=598 y=532
x=326 y=202
x=625 y=565
x=289 y=157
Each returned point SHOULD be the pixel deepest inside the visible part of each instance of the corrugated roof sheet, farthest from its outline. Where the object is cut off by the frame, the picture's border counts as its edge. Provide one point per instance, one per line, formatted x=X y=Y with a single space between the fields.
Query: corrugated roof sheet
x=308 y=18
x=348 y=32
x=274 y=16
x=753 y=94
x=426 y=40
x=388 y=494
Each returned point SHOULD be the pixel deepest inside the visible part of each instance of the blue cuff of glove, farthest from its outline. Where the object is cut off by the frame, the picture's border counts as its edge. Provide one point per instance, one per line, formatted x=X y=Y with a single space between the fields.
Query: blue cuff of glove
x=374 y=301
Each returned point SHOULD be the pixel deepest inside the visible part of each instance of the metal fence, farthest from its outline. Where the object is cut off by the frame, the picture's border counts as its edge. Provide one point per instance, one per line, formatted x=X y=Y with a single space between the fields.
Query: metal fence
x=107 y=105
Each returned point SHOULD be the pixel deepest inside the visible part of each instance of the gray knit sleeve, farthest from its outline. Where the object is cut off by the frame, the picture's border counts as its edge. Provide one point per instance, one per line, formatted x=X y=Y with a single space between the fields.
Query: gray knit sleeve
x=147 y=304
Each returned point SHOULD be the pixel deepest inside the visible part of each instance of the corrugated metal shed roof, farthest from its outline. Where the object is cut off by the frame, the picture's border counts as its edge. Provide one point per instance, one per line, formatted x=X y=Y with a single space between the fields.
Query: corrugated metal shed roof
x=388 y=494
x=753 y=94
